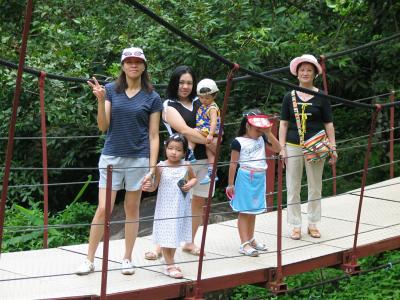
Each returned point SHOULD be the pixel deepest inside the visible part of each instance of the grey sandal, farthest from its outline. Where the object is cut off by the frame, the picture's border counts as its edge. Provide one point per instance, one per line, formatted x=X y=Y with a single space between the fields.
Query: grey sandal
x=258 y=246
x=250 y=251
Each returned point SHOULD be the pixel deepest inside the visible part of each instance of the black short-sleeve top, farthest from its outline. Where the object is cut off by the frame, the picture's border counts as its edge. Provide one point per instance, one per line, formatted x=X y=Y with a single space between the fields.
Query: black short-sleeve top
x=317 y=110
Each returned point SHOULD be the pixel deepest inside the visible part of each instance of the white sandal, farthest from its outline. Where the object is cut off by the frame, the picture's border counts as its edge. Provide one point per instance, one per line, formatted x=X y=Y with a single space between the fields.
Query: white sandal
x=258 y=246
x=250 y=251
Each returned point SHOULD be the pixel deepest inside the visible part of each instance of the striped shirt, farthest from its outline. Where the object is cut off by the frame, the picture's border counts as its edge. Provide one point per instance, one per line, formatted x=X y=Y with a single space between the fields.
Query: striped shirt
x=128 y=134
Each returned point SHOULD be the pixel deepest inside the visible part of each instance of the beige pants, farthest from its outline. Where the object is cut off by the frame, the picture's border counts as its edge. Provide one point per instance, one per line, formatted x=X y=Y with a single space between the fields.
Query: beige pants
x=294 y=173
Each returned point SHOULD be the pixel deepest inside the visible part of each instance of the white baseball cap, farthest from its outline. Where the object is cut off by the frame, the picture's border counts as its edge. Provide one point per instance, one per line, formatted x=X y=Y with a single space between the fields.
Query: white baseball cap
x=133 y=52
x=206 y=87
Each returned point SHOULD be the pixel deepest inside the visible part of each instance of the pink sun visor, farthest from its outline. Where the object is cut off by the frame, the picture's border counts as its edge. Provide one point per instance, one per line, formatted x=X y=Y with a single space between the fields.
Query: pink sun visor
x=260 y=121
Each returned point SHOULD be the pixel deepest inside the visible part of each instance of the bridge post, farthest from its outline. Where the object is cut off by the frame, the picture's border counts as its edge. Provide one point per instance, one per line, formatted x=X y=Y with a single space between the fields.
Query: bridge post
x=192 y=292
x=325 y=83
x=13 y=119
x=271 y=168
x=350 y=264
x=391 y=138
x=42 y=78
x=198 y=293
x=275 y=281
x=194 y=297
x=276 y=284
x=106 y=237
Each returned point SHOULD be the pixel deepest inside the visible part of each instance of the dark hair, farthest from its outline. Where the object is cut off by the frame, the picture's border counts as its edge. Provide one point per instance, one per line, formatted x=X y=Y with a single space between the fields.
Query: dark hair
x=306 y=62
x=173 y=85
x=204 y=92
x=121 y=84
x=250 y=112
x=177 y=137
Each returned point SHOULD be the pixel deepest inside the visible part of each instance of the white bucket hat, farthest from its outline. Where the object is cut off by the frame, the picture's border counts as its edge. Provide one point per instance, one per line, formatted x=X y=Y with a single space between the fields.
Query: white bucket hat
x=304 y=58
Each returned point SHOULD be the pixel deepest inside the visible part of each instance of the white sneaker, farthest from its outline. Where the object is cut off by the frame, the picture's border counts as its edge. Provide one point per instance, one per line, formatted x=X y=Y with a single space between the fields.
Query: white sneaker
x=127 y=267
x=85 y=268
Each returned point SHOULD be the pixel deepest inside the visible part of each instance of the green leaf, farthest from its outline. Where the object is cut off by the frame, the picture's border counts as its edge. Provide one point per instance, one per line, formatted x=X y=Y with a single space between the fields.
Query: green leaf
x=280 y=10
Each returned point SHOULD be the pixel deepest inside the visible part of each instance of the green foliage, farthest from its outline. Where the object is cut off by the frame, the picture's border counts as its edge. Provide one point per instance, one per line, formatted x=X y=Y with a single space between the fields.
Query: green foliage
x=75 y=38
x=378 y=284
x=22 y=225
x=22 y=233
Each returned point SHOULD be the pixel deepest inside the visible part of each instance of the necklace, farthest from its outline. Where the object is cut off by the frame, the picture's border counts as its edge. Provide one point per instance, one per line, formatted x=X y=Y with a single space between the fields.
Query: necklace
x=304 y=96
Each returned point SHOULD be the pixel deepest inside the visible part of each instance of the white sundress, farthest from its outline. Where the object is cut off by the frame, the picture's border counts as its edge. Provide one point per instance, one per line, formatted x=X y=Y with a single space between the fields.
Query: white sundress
x=172 y=218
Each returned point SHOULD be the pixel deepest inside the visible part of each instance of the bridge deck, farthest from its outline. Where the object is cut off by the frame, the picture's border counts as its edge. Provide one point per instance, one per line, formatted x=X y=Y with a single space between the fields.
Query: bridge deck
x=43 y=274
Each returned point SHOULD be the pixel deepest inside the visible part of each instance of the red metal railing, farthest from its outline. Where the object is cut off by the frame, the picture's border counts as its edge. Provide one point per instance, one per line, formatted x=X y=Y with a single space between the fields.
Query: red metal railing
x=275 y=281
x=391 y=137
x=42 y=79
x=352 y=266
x=197 y=291
x=271 y=168
x=325 y=83
x=106 y=237
x=13 y=119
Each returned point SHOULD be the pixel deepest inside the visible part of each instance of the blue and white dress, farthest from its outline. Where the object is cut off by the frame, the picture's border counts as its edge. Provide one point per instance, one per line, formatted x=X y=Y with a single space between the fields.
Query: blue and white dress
x=172 y=218
x=250 y=183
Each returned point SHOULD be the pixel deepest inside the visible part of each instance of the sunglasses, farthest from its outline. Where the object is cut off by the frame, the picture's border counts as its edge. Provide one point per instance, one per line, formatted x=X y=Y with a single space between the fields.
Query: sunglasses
x=176 y=137
x=136 y=53
x=251 y=113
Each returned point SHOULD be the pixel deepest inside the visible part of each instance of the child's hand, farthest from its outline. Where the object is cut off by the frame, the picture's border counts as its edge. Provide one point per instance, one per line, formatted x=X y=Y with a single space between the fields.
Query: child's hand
x=230 y=191
x=209 y=139
x=148 y=183
x=148 y=187
x=190 y=183
x=187 y=186
x=268 y=131
x=148 y=179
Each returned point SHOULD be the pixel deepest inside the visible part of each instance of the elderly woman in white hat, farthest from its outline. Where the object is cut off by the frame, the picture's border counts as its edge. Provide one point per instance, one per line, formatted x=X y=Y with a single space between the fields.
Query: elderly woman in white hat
x=129 y=111
x=303 y=116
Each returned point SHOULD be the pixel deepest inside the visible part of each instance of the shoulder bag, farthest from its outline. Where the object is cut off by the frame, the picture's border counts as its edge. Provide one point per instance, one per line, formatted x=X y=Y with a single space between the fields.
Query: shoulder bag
x=317 y=147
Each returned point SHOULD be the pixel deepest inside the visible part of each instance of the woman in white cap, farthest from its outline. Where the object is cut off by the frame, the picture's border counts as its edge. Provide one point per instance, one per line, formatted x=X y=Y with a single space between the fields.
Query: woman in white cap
x=313 y=114
x=129 y=112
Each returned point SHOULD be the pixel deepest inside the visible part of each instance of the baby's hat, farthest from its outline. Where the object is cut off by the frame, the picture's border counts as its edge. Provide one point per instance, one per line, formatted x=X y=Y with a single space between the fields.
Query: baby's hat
x=206 y=86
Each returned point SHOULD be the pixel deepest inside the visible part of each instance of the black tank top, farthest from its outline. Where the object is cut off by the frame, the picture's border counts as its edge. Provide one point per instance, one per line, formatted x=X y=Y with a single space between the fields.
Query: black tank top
x=190 y=118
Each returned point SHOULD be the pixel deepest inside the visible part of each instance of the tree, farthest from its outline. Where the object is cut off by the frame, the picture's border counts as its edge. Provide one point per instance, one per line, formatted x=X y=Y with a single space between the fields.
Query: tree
x=76 y=38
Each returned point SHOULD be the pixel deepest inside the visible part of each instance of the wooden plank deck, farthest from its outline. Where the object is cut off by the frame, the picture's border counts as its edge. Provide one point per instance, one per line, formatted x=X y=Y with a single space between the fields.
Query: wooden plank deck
x=44 y=274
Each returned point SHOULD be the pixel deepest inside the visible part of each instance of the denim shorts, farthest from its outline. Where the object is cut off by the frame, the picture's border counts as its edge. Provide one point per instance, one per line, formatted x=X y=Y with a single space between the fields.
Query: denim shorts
x=127 y=174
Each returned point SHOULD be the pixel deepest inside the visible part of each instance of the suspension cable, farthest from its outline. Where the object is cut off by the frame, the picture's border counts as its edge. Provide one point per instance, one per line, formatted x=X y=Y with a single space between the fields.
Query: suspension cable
x=151 y=218
x=230 y=64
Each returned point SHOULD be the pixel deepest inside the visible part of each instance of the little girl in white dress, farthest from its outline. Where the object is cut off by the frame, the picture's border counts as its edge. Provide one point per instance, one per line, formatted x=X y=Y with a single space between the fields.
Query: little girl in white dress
x=172 y=218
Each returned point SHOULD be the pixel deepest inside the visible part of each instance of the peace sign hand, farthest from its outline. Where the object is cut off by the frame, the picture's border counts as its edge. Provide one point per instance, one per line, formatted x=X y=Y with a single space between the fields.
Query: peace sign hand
x=98 y=90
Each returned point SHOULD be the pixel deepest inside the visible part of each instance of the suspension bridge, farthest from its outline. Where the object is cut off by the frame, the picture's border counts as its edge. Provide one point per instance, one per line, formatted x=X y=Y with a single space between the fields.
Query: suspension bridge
x=355 y=224
x=50 y=273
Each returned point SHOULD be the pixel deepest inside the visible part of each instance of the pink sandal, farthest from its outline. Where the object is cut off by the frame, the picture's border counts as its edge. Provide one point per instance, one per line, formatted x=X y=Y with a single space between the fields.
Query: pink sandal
x=173 y=272
x=194 y=251
x=152 y=255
